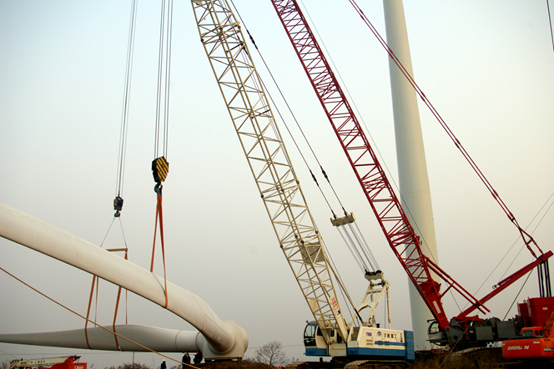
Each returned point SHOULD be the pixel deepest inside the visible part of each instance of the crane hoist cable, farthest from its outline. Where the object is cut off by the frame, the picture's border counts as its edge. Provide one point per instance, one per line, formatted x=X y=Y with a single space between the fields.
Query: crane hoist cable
x=118 y=201
x=355 y=242
x=550 y=23
x=367 y=133
x=342 y=288
x=164 y=77
x=545 y=208
x=350 y=235
x=314 y=178
x=94 y=289
x=160 y=165
x=528 y=240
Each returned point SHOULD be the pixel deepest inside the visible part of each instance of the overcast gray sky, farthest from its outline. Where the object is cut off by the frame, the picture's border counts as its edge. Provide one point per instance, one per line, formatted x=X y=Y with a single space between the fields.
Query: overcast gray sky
x=487 y=66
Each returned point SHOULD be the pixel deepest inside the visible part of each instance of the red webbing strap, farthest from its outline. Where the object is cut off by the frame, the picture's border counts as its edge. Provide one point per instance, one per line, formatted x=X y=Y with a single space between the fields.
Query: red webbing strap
x=115 y=318
x=159 y=215
x=88 y=309
x=117 y=306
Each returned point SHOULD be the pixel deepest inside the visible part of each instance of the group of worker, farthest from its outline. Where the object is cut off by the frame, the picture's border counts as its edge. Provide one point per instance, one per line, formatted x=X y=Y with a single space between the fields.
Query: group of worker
x=186 y=360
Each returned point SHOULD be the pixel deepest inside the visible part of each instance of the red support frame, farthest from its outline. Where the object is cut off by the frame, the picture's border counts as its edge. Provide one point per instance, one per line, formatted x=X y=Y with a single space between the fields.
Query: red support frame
x=503 y=284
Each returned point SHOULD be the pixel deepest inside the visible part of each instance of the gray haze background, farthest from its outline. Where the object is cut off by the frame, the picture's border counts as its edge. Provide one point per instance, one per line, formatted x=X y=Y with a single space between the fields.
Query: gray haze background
x=487 y=66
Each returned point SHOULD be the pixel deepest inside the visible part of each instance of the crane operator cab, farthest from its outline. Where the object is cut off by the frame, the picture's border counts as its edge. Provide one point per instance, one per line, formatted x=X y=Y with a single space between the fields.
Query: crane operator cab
x=315 y=345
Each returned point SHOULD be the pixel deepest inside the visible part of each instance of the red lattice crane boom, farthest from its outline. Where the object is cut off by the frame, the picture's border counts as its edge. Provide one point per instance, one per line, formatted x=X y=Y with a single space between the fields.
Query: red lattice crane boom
x=369 y=172
x=385 y=204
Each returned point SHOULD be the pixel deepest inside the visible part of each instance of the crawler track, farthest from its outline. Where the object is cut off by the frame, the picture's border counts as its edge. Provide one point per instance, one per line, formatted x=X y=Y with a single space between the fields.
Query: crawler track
x=358 y=364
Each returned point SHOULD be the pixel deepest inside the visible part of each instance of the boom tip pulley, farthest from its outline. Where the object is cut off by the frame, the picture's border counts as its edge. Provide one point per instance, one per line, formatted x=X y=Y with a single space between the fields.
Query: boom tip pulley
x=346 y=219
x=378 y=274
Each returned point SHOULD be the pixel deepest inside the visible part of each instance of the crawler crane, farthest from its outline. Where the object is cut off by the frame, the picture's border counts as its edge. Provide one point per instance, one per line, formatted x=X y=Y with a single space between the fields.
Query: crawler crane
x=463 y=330
x=280 y=190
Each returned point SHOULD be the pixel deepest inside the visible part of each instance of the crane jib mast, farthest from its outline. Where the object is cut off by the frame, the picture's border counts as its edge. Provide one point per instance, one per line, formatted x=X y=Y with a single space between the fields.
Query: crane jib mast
x=269 y=162
x=282 y=195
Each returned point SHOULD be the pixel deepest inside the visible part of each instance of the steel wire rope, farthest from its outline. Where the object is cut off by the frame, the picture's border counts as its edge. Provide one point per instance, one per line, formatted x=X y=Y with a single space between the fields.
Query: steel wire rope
x=165 y=38
x=91 y=321
x=533 y=230
x=166 y=34
x=361 y=241
x=94 y=278
x=407 y=209
x=390 y=178
x=361 y=250
x=374 y=146
x=16 y=356
x=98 y=284
x=344 y=86
x=295 y=120
x=516 y=242
x=343 y=290
x=366 y=250
x=358 y=251
x=358 y=260
x=123 y=134
x=509 y=250
x=525 y=236
x=160 y=74
x=311 y=149
x=108 y=231
x=314 y=178
x=519 y=292
x=169 y=38
x=550 y=23
x=126 y=254
x=126 y=100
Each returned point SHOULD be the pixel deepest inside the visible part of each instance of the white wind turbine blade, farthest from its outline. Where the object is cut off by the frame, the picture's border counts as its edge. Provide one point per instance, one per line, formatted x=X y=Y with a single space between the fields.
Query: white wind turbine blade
x=223 y=339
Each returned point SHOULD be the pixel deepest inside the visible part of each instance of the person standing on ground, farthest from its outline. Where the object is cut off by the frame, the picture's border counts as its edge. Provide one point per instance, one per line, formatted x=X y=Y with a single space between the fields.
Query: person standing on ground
x=186 y=360
x=198 y=357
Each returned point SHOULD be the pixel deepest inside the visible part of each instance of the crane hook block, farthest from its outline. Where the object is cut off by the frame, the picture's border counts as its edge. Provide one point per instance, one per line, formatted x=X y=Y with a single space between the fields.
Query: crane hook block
x=160 y=168
x=117 y=206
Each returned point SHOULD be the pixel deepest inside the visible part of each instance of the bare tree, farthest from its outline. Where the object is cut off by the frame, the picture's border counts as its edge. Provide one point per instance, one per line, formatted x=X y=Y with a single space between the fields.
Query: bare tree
x=129 y=366
x=272 y=354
